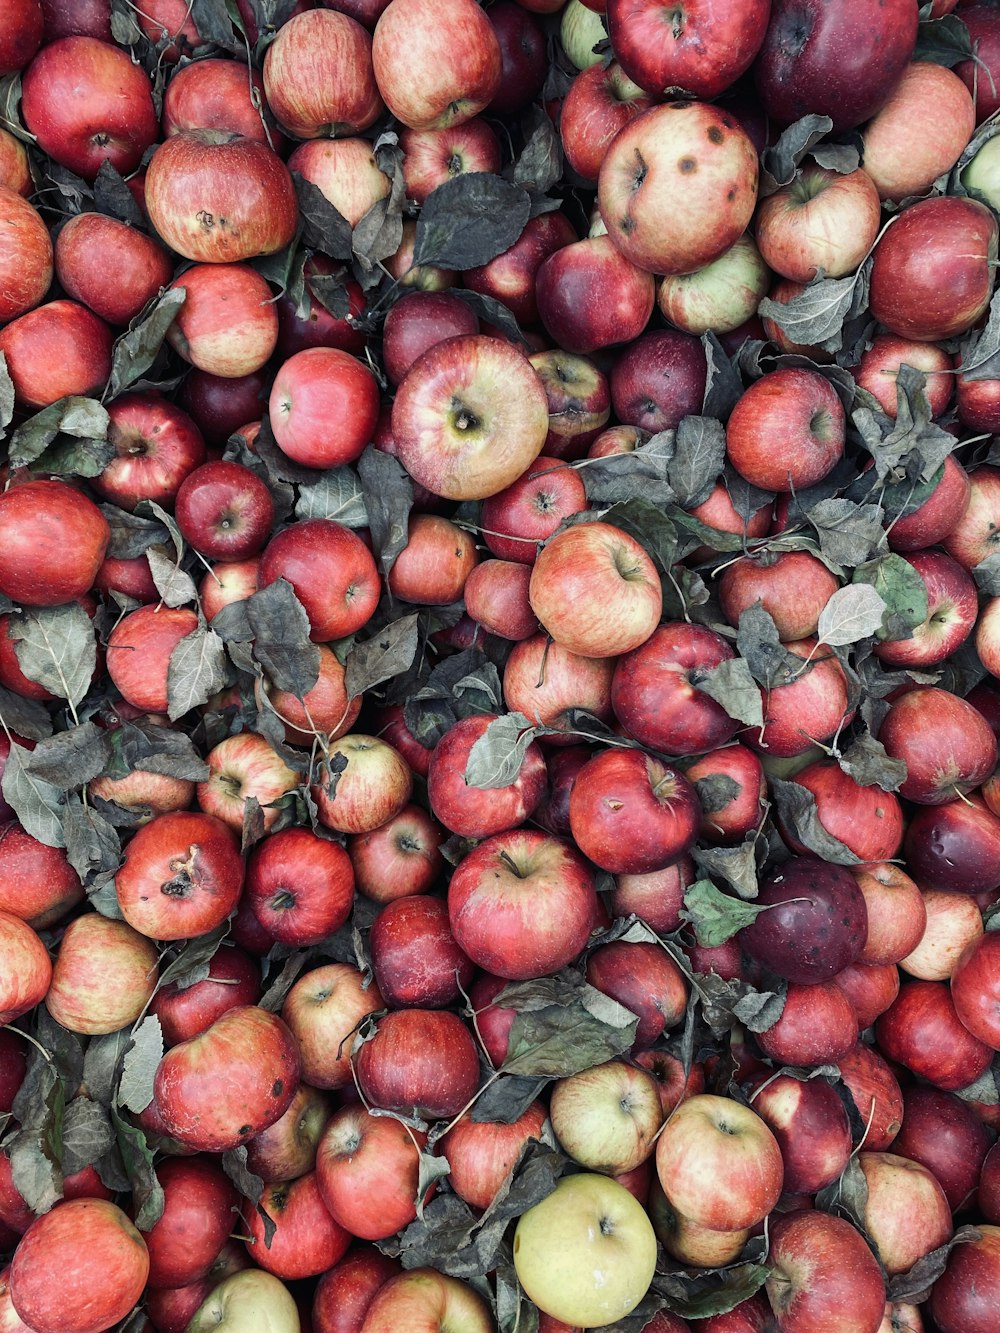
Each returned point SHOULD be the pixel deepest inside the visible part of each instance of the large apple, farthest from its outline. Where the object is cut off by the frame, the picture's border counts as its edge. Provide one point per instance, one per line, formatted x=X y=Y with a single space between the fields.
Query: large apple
x=246 y=1302
x=823 y=1274
x=318 y=75
x=104 y=975
x=26 y=263
x=367 y=1168
x=920 y=132
x=787 y=430
x=322 y=1011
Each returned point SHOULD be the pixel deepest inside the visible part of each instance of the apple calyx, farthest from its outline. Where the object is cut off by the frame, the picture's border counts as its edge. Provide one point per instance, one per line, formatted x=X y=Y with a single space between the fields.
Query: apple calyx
x=185 y=874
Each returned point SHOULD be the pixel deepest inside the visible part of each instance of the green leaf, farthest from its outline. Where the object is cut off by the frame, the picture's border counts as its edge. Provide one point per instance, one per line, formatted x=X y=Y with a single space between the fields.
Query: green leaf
x=56 y=648
x=496 y=758
x=37 y=804
x=196 y=671
x=137 y=349
x=147 y=1194
x=135 y=1090
x=83 y=418
x=102 y=1064
x=716 y=916
x=650 y=527
x=901 y=589
x=945 y=41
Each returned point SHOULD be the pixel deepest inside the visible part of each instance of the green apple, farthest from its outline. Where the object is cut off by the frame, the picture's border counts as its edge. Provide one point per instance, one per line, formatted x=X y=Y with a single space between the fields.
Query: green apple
x=586 y=1253
x=251 y=1301
x=580 y=30
x=982 y=175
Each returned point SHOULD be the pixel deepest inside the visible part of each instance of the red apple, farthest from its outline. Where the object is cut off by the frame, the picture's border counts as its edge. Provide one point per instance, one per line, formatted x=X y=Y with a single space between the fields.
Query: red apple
x=23 y=30
x=787 y=431
x=233 y=979
x=27 y=968
x=398 y=858
x=946 y=744
x=300 y=886
x=417 y=959
x=944 y=1135
x=701 y=49
x=921 y=1030
x=823 y=221
x=729 y=819
x=867 y=820
x=306 y=1240
x=39 y=522
x=37 y=883
x=919 y=133
x=896 y=912
x=546 y=682
x=344 y=1294
x=318 y=76
x=955 y=846
x=26 y=263
x=104 y=976
x=90 y=245
x=600 y=101
x=817 y=923
x=433 y=566
x=419 y=1062
x=658 y=380
x=216 y=94
x=367 y=1171
x=590 y=295
x=951 y=615
x=156 y=446
x=433 y=156
x=56 y=350
x=809 y=1122
x=976 y=535
x=809 y=708
x=877 y=371
x=139 y=651
x=644 y=979
x=286 y=1150
x=875 y=1092
x=199 y=1212
x=371 y=784
x=332 y=572
x=964 y=1299
x=792 y=586
x=823 y=1272
x=322 y=1011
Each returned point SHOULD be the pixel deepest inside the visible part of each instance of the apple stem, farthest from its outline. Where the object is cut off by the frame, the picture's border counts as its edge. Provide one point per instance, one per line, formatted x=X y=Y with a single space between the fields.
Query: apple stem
x=961 y=795
x=468 y=1105
x=19 y=1032
x=511 y=864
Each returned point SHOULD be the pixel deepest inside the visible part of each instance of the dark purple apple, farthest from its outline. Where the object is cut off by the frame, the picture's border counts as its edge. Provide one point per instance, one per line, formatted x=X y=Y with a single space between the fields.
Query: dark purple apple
x=658 y=380
x=955 y=847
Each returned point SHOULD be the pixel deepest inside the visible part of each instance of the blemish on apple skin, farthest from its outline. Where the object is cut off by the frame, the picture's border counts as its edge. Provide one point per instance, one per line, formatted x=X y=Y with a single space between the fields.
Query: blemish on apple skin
x=715 y=135
x=686 y=165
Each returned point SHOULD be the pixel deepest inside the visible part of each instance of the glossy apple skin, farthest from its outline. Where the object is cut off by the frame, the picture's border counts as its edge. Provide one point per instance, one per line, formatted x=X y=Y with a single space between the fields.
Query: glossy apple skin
x=13 y=1066
x=975 y=987
x=600 y=102
x=646 y=980
x=233 y=979
x=27 y=971
x=876 y=1093
x=367 y=1170
x=198 y=1214
x=809 y=708
x=951 y=615
x=823 y=1273
x=219 y=407
x=822 y=220
x=977 y=533
x=964 y=1299
x=591 y=296
x=810 y=1123
x=696 y=155
x=55 y=350
x=51 y=1275
x=946 y=744
x=432 y=157
x=944 y=1135
x=231 y=1081
x=323 y=407
x=300 y=886
x=214 y=94
x=224 y=510
x=241 y=184
x=332 y=572
x=307 y=1240
x=704 y=50
x=90 y=245
x=867 y=820
x=37 y=883
x=87 y=102
x=139 y=649
x=26 y=264
x=322 y=1010
x=344 y=1294
x=24 y=28
x=906 y=1213
x=156 y=447
x=809 y=940
x=955 y=846
x=39 y=522
x=567 y=681
x=841 y=63
x=496 y=597
x=398 y=858
x=181 y=877
x=417 y=322
x=817 y=1026
x=510 y=277
x=659 y=379
x=787 y=430
x=421 y=1298
x=896 y=913
x=373 y=785
x=953 y=920
x=621 y=790
x=433 y=566
x=421 y=1061
x=530 y=510
x=933 y=271
x=921 y=1030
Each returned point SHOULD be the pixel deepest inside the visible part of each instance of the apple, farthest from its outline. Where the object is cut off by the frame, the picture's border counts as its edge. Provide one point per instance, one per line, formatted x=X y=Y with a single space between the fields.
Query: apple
x=416 y=958
x=363 y=783
x=922 y=1031
x=689 y=1243
x=702 y=50
x=315 y=326
x=978 y=74
x=432 y=568
x=367 y=1172
x=89 y=245
x=199 y=1207
x=823 y=1273
x=718 y=1163
x=823 y=221
x=400 y=857
x=470 y=416
x=523 y=57
x=181 y=877
x=867 y=820
x=87 y=102
x=224 y=511
x=434 y=156
x=963 y=1299
x=56 y=350
x=876 y=1094
x=26 y=263
x=51 y=1275
x=691 y=158
x=673 y=1083
x=946 y=744
x=323 y=407
x=955 y=846
x=718 y=512
x=546 y=683
x=590 y=295
x=644 y=979
x=419 y=321
x=655 y=696
x=475 y=812
x=221 y=407
x=318 y=76
x=945 y=1136
x=233 y=979
x=453 y=44
x=952 y=921
x=510 y=277
x=242 y=1301
x=496 y=597
x=421 y=277
x=817 y=925
x=933 y=270
x=728 y=820
x=332 y=572
x=793 y=587
x=216 y=94
x=658 y=380
x=988 y=1180
x=810 y=1124
x=787 y=430
x=344 y=1293
x=951 y=615
x=420 y=1062
x=528 y=511
x=607 y=1117
x=219 y=197
x=227 y=325
x=877 y=371
x=156 y=446
x=936 y=518
x=818 y=1025
x=139 y=650
x=721 y=295
x=976 y=535
x=906 y=1213
x=812 y=706
x=24 y=24
x=299 y=885
x=27 y=968
x=345 y=172
x=104 y=976
x=579 y=401
x=423 y=1300
x=306 y=1240
x=586 y=1253
x=322 y=1011
x=973 y=988
x=600 y=101
x=37 y=883
x=240 y=768
x=15 y=173
x=919 y=133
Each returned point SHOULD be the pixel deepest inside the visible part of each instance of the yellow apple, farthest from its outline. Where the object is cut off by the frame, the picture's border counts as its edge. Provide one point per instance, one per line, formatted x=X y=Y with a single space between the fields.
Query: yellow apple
x=586 y=1253
x=251 y=1301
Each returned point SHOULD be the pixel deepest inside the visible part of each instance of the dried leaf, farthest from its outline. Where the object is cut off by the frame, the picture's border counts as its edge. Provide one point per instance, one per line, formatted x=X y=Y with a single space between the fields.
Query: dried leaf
x=852 y=614
x=797 y=810
x=56 y=648
x=280 y=628
x=389 y=653
x=82 y=418
x=38 y=805
x=469 y=220
x=135 y=1090
x=196 y=671
x=388 y=499
x=732 y=686
x=338 y=495
x=496 y=757
x=176 y=588
x=137 y=349
x=86 y=1134
x=147 y=1195
x=563 y=1026
x=699 y=453
x=716 y=916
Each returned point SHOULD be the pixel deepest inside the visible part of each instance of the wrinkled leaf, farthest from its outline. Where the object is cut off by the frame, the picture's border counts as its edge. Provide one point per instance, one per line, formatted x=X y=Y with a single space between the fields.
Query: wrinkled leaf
x=135 y=1091
x=716 y=916
x=113 y=197
x=56 y=648
x=280 y=628
x=732 y=686
x=86 y=1134
x=93 y=847
x=848 y=533
x=147 y=1194
x=866 y=761
x=338 y=495
x=496 y=757
x=82 y=418
x=38 y=805
x=944 y=41
x=196 y=671
x=388 y=499
x=469 y=220
x=797 y=810
x=699 y=452
x=901 y=589
x=816 y=316
x=387 y=654
x=176 y=588
x=852 y=614
x=562 y=1026
x=736 y=865
x=780 y=161
x=137 y=349
x=324 y=228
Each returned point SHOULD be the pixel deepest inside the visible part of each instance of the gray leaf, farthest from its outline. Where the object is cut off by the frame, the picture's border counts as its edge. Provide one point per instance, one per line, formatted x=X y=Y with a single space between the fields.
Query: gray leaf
x=196 y=671
x=176 y=588
x=780 y=161
x=816 y=316
x=469 y=220
x=732 y=686
x=83 y=418
x=337 y=495
x=70 y=758
x=496 y=758
x=282 y=646
x=6 y=396
x=797 y=810
x=852 y=614
x=56 y=648
x=378 y=659
x=388 y=497
x=136 y=350
x=135 y=1090
x=38 y=805
x=86 y=1134
x=699 y=453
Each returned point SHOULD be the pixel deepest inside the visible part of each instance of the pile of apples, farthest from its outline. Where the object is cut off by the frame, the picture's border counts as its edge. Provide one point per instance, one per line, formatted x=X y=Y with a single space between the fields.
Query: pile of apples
x=499 y=659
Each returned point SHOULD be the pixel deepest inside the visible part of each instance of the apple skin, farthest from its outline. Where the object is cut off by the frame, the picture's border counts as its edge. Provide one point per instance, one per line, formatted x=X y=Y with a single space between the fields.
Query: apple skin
x=307 y=1241
x=720 y=296
x=181 y=877
x=976 y=535
x=823 y=1272
x=420 y=1061
x=37 y=883
x=227 y=325
x=658 y=380
x=522 y=904
x=657 y=897
x=103 y=978
x=944 y=1135
x=470 y=416
x=787 y=430
x=317 y=327
x=318 y=76
x=582 y=573
x=578 y=398
x=955 y=846
x=989 y=1183
x=586 y=1253
x=238 y=183
x=628 y=789
x=545 y=682
x=13 y=1068
x=27 y=968
x=419 y=321
x=231 y=1081
x=528 y=511
x=422 y=1300
x=867 y=820
x=476 y=812
x=948 y=747
x=511 y=276
x=233 y=979
x=719 y=1164
x=241 y=1302
x=964 y=1299
x=157 y=446
x=432 y=157
x=220 y=407
x=695 y=159
x=875 y=1092
x=87 y=102
x=644 y=979
x=57 y=349
x=877 y=371
x=299 y=885
x=482 y=1154
x=974 y=988
x=415 y=956
x=199 y=1207
x=398 y=858
x=90 y=245
x=823 y=220
x=343 y=1294
x=730 y=822
x=323 y=407
x=921 y=1030
x=817 y=925
x=224 y=511
x=600 y=101
x=951 y=616
x=979 y=75
x=819 y=694
x=371 y=788
x=214 y=94
x=906 y=1213
x=322 y=1011
x=139 y=649
x=496 y=597
x=26 y=264
x=367 y=1171
x=590 y=296
x=933 y=271
x=951 y=921
x=817 y=1026
x=703 y=50
x=811 y=1127
x=51 y=1275
x=433 y=566
x=792 y=586
x=24 y=29
x=870 y=988
x=607 y=1117
x=455 y=47
x=920 y=132
x=332 y=572
x=523 y=57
